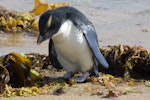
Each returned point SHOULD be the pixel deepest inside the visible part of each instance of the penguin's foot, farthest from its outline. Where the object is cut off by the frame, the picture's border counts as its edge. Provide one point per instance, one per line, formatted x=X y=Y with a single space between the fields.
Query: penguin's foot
x=81 y=78
x=67 y=76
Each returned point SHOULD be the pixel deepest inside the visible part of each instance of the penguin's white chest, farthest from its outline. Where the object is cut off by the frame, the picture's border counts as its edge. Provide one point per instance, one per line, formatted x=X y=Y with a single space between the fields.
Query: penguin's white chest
x=72 y=49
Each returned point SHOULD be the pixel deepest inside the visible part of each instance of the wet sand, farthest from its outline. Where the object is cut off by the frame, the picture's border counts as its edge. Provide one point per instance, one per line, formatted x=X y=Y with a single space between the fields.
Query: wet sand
x=116 y=21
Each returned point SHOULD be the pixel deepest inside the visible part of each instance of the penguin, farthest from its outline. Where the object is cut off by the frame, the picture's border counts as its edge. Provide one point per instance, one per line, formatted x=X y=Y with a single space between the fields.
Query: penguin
x=73 y=40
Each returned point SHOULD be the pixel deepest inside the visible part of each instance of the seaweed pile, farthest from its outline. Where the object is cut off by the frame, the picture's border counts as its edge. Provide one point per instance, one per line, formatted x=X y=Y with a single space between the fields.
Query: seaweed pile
x=41 y=6
x=17 y=22
x=127 y=61
x=30 y=70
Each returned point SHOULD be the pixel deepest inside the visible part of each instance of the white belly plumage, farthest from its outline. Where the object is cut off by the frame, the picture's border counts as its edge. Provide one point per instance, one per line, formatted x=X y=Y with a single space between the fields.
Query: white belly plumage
x=72 y=49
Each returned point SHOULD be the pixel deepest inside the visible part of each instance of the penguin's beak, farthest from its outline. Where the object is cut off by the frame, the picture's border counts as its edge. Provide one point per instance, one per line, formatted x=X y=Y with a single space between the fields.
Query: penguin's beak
x=40 y=39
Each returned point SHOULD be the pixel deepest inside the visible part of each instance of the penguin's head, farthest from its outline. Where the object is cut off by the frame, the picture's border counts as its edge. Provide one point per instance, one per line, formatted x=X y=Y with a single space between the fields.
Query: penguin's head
x=49 y=23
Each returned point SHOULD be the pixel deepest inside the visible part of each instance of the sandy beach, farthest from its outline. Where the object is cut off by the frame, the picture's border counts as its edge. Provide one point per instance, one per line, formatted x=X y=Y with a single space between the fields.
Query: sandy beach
x=117 y=22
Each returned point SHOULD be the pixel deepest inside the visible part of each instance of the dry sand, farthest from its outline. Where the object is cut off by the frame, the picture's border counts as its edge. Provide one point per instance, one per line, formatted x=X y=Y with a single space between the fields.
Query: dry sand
x=116 y=22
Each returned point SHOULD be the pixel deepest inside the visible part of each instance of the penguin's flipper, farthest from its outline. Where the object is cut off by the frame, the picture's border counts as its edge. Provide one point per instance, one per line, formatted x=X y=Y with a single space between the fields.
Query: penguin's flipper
x=91 y=38
x=81 y=78
x=53 y=56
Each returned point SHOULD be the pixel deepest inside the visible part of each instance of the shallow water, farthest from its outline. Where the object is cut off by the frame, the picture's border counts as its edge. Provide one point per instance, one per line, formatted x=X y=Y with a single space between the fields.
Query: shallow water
x=116 y=22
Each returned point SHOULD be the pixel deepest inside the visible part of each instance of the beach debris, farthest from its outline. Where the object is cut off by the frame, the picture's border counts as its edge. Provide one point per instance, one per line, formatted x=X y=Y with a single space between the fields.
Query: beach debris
x=92 y=79
x=98 y=93
x=24 y=91
x=18 y=22
x=4 y=77
x=127 y=61
x=146 y=30
x=147 y=83
x=72 y=82
x=59 y=91
x=21 y=69
x=38 y=61
x=133 y=61
x=112 y=93
x=41 y=6
x=18 y=66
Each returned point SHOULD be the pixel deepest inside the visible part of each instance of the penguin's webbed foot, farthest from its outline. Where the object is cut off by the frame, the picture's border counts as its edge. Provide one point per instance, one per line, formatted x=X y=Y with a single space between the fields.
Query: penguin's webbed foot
x=81 y=78
x=67 y=76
